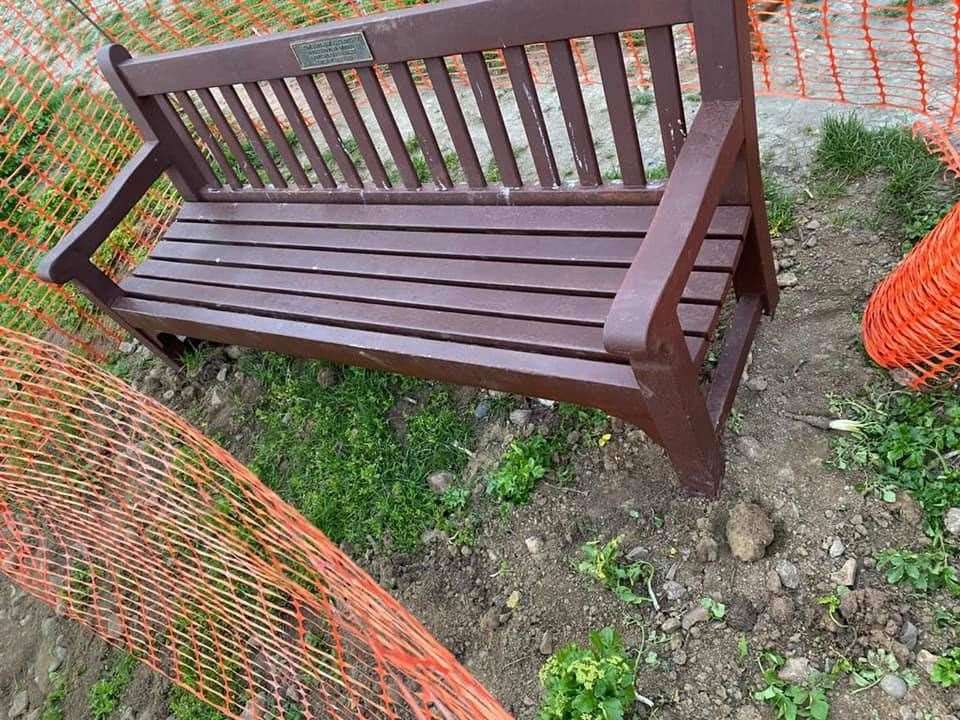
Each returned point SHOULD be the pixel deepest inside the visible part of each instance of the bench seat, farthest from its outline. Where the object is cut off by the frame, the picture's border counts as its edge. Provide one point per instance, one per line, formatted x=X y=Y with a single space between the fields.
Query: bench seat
x=520 y=278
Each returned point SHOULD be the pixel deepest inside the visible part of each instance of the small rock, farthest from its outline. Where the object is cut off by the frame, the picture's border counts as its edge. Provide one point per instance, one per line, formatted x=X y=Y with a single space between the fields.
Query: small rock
x=546 y=643
x=694 y=616
x=772 y=582
x=637 y=552
x=951 y=521
x=796 y=670
x=749 y=446
x=19 y=705
x=128 y=347
x=671 y=624
x=707 y=550
x=326 y=376
x=813 y=225
x=440 y=481
x=188 y=392
x=757 y=383
x=679 y=658
x=787 y=279
x=789 y=575
x=534 y=545
x=48 y=626
x=909 y=635
x=222 y=374
x=847 y=574
x=520 y=416
x=926 y=660
x=894 y=686
x=781 y=609
x=836 y=548
x=213 y=399
x=749 y=531
x=481 y=410
x=233 y=352
x=673 y=590
x=169 y=395
x=514 y=600
x=741 y=614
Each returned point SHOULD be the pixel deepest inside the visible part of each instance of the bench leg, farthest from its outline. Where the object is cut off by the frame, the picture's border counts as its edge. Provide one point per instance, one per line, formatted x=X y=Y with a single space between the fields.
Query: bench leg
x=679 y=413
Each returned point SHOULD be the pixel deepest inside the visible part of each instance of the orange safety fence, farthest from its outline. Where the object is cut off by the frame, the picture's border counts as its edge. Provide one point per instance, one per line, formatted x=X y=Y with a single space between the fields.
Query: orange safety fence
x=126 y=519
x=63 y=136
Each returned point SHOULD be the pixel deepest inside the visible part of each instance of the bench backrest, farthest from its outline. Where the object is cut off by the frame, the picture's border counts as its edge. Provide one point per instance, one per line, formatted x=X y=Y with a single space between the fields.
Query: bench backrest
x=303 y=116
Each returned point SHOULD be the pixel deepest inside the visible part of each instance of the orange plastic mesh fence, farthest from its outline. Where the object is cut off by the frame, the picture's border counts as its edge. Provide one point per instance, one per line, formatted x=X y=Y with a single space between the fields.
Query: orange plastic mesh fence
x=63 y=136
x=119 y=513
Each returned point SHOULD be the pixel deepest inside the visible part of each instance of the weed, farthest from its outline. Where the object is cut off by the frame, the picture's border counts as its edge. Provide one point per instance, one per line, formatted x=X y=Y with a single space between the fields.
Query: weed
x=781 y=206
x=735 y=421
x=184 y=706
x=717 y=610
x=104 y=697
x=946 y=670
x=492 y=172
x=642 y=99
x=916 y=194
x=596 y=683
x=923 y=571
x=868 y=671
x=602 y=563
x=832 y=602
x=194 y=358
x=944 y=619
x=53 y=703
x=789 y=700
x=524 y=462
x=657 y=172
x=743 y=648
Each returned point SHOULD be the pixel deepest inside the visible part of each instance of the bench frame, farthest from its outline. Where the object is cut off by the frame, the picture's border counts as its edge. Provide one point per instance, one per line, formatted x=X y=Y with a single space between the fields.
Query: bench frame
x=716 y=162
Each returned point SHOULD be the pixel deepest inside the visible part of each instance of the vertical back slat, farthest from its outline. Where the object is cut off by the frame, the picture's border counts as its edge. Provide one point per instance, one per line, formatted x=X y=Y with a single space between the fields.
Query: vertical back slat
x=275 y=132
x=531 y=114
x=567 y=80
x=666 y=88
x=388 y=126
x=229 y=136
x=329 y=131
x=204 y=133
x=250 y=130
x=613 y=74
x=453 y=116
x=348 y=106
x=300 y=129
x=413 y=104
x=183 y=135
x=489 y=107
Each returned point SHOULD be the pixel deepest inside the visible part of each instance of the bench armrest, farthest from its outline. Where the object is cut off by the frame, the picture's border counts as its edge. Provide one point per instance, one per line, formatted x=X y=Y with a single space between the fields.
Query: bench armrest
x=642 y=320
x=60 y=264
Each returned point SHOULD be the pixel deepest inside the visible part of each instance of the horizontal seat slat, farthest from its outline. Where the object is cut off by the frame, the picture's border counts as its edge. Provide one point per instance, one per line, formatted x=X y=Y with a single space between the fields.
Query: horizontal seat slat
x=728 y=222
x=716 y=254
x=702 y=286
x=578 y=309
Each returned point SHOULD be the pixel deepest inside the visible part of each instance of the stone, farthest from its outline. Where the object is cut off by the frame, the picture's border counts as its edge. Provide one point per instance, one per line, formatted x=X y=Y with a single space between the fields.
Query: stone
x=836 y=548
x=748 y=712
x=894 y=686
x=781 y=609
x=637 y=552
x=741 y=613
x=673 y=590
x=789 y=574
x=440 y=481
x=169 y=395
x=749 y=446
x=481 y=410
x=909 y=635
x=772 y=582
x=847 y=574
x=326 y=376
x=47 y=626
x=749 y=532
x=222 y=374
x=214 y=399
x=520 y=416
x=128 y=347
x=707 y=550
x=19 y=705
x=534 y=545
x=694 y=616
x=671 y=624
x=813 y=225
x=926 y=660
x=787 y=279
x=951 y=521
x=546 y=643
x=796 y=670
x=757 y=383
x=233 y=352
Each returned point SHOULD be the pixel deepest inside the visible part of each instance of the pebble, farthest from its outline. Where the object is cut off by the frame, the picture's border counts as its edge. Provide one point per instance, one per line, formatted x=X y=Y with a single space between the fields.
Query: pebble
x=534 y=545
x=749 y=446
x=694 y=616
x=169 y=395
x=909 y=635
x=673 y=590
x=233 y=352
x=847 y=574
x=772 y=582
x=707 y=550
x=440 y=481
x=757 y=384
x=326 y=376
x=836 y=548
x=951 y=521
x=19 y=705
x=781 y=609
x=787 y=279
x=520 y=416
x=481 y=410
x=222 y=374
x=749 y=532
x=679 y=658
x=894 y=686
x=788 y=573
x=748 y=712
x=671 y=624
x=796 y=670
x=926 y=660
x=546 y=643
x=128 y=347
x=813 y=225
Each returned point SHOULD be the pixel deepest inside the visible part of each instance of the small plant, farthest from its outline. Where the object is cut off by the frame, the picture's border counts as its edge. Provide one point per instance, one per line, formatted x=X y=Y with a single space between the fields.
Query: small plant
x=946 y=670
x=735 y=421
x=53 y=704
x=717 y=610
x=642 y=99
x=596 y=683
x=184 y=706
x=524 y=462
x=867 y=672
x=602 y=563
x=743 y=648
x=781 y=206
x=923 y=571
x=789 y=700
x=104 y=696
x=832 y=602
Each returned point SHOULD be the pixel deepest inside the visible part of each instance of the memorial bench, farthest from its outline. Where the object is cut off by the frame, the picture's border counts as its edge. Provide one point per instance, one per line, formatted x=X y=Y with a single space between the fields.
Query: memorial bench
x=302 y=233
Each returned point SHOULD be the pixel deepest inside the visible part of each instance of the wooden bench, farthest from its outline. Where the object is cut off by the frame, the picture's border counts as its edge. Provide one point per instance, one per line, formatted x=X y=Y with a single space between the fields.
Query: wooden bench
x=307 y=229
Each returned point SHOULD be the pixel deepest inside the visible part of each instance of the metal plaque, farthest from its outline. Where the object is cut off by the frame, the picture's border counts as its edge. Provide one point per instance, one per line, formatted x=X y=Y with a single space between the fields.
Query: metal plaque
x=332 y=51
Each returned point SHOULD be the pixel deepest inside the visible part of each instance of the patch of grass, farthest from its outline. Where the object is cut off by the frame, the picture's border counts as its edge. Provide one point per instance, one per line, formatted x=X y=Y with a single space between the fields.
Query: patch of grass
x=603 y=563
x=657 y=172
x=596 y=683
x=946 y=670
x=522 y=465
x=789 y=700
x=781 y=206
x=184 y=706
x=642 y=99
x=916 y=193
x=194 y=358
x=53 y=703
x=335 y=454
x=104 y=697
x=492 y=172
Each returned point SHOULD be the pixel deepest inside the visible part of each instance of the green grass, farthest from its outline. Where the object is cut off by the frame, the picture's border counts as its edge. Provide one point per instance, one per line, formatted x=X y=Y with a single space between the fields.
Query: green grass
x=53 y=703
x=523 y=464
x=915 y=193
x=104 y=697
x=331 y=452
x=184 y=706
x=781 y=206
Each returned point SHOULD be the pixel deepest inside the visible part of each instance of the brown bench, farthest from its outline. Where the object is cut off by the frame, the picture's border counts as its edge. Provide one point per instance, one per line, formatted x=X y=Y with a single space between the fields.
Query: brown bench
x=601 y=293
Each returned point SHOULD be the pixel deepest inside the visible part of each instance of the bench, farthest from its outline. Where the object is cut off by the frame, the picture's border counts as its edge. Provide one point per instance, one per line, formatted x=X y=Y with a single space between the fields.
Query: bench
x=307 y=227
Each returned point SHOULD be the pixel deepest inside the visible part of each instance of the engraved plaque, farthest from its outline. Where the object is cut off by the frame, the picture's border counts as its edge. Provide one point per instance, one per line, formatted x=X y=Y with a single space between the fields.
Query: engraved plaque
x=332 y=51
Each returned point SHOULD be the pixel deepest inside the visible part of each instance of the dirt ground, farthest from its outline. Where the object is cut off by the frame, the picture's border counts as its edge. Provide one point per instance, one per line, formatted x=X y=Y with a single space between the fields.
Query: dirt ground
x=808 y=352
